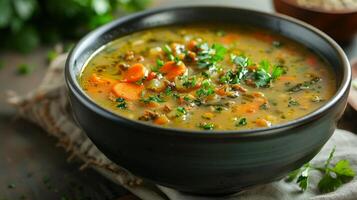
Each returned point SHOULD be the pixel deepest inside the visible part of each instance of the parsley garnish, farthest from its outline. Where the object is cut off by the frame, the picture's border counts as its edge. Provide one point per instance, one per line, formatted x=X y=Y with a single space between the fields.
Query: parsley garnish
x=122 y=103
x=208 y=57
x=241 y=122
x=292 y=102
x=206 y=126
x=206 y=89
x=154 y=98
x=305 y=85
x=334 y=175
x=189 y=82
x=180 y=111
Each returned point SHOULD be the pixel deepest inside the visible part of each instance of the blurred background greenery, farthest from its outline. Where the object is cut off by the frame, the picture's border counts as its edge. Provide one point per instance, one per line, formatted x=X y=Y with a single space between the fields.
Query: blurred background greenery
x=26 y=24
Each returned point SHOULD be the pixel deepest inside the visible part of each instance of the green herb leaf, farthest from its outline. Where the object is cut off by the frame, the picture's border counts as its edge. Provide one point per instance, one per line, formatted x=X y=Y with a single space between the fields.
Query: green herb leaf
x=208 y=57
x=180 y=111
x=206 y=89
x=241 y=122
x=328 y=183
x=122 y=103
x=154 y=98
x=207 y=126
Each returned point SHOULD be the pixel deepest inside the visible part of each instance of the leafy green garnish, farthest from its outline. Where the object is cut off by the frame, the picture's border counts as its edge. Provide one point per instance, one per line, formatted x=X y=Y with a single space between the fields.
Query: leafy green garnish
x=334 y=175
x=305 y=85
x=206 y=126
x=189 y=81
x=206 y=89
x=292 y=102
x=241 y=122
x=122 y=103
x=159 y=63
x=154 y=98
x=180 y=111
x=208 y=57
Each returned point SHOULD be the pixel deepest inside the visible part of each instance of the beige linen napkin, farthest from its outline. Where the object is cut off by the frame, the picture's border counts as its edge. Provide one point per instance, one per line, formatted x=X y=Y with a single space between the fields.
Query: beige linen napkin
x=48 y=107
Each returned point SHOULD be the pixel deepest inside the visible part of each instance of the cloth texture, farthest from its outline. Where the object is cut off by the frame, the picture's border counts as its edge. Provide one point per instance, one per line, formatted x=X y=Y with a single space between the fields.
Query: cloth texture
x=48 y=107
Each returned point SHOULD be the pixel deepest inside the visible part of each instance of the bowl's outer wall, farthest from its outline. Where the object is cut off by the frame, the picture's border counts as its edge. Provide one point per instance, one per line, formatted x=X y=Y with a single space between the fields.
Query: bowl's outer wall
x=205 y=164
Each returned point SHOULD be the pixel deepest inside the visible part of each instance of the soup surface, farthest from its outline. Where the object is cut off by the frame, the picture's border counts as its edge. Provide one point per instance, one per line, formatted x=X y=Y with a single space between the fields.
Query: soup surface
x=209 y=77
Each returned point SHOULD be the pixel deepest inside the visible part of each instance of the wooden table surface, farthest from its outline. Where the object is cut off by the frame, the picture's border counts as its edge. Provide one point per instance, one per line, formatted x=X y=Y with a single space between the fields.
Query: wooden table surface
x=32 y=167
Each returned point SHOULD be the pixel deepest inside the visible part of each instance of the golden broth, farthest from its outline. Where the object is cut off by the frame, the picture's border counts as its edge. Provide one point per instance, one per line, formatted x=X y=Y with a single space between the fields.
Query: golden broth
x=208 y=77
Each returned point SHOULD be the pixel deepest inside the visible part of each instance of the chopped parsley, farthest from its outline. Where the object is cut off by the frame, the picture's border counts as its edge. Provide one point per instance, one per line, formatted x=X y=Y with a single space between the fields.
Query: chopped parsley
x=154 y=98
x=206 y=125
x=241 y=122
x=180 y=111
x=292 y=102
x=189 y=82
x=122 y=103
x=206 y=89
x=305 y=85
x=208 y=57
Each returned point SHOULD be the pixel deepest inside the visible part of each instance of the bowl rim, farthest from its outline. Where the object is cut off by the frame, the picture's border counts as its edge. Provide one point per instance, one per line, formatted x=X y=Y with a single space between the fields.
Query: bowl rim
x=319 y=10
x=74 y=87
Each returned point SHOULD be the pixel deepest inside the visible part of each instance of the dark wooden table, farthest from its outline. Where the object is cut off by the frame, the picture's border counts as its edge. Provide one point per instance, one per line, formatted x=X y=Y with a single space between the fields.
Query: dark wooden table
x=32 y=167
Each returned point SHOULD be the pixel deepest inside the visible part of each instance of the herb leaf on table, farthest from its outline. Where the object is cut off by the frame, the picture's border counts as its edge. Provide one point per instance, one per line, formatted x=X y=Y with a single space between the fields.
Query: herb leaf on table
x=334 y=175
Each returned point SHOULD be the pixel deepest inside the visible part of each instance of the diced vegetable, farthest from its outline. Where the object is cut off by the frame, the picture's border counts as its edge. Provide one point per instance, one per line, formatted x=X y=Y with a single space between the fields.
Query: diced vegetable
x=172 y=69
x=135 y=73
x=129 y=91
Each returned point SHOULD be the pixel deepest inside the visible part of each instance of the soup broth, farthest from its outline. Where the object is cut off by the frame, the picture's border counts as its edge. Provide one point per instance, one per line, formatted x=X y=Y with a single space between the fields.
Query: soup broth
x=208 y=77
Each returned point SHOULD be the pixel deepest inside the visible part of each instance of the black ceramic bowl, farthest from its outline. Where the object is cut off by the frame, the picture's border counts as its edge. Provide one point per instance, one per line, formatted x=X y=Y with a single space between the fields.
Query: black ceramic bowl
x=217 y=161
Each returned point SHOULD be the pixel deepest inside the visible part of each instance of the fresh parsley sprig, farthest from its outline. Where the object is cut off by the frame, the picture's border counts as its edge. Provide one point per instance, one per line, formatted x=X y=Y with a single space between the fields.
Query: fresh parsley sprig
x=208 y=57
x=334 y=175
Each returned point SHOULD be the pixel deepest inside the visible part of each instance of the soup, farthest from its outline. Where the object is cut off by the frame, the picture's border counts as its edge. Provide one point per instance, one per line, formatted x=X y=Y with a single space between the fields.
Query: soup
x=209 y=77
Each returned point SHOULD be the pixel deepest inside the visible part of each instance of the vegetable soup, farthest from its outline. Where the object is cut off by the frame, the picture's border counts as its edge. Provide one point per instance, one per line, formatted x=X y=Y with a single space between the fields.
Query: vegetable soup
x=211 y=77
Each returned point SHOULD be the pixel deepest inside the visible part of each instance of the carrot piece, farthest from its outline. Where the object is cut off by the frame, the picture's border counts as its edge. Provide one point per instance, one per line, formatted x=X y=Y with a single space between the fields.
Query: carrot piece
x=287 y=78
x=129 y=91
x=192 y=45
x=161 y=120
x=135 y=73
x=171 y=69
x=221 y=91
x=151 y=76
x=229 y=38
x=99 y=84
x=263 y=123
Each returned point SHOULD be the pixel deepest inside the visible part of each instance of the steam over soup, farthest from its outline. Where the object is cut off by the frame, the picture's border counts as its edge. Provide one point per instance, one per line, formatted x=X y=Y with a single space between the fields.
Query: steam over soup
x=208 y=77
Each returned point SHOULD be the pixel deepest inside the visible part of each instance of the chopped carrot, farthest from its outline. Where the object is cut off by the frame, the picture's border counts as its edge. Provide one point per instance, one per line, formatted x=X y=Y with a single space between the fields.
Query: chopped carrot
x=230 y=38
x=192 y=45
x=287 y=78
x=151 y=76
x=171 y=69
x=135 y=73
x=161 y=120
x=129 y=91
x=253 y=67
x=250 y=107
x=99 y=84
x=221 y=91
x=263 y=123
